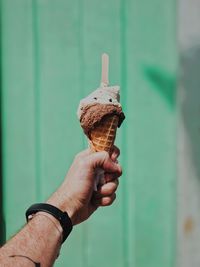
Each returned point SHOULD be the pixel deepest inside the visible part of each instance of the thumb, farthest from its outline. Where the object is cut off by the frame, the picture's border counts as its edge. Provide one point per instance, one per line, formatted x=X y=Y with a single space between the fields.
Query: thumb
x=103 y=160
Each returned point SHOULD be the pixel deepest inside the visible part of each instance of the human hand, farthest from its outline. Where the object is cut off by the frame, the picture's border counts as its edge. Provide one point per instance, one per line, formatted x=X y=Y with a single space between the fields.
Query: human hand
x=76 y=194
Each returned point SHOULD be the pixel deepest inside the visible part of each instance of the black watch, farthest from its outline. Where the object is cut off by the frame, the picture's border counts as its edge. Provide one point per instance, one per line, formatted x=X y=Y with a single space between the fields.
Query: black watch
x=61 y=216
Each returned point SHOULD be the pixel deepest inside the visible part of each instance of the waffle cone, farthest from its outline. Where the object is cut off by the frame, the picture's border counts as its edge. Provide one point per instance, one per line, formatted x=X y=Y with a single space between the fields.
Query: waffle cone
x=103 y=136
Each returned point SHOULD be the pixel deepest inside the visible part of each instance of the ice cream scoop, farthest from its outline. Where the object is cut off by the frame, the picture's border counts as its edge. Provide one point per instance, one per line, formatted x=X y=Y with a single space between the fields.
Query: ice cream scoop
x=99 y=104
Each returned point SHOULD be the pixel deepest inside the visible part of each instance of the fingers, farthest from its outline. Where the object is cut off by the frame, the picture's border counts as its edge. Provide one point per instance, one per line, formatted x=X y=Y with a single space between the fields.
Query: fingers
x=115 y=153
x=108 y=177
x=105 y=195
x=105 y=201
x=107 y=189
x=103 y=160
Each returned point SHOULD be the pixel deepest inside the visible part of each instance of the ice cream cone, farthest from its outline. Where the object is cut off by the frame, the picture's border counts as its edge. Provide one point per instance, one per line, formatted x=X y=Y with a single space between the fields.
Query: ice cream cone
x=103 y=136
x=100 y=113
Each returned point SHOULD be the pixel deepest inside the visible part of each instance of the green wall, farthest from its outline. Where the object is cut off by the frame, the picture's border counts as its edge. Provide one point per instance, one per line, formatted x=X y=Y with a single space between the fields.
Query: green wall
x=50 y=59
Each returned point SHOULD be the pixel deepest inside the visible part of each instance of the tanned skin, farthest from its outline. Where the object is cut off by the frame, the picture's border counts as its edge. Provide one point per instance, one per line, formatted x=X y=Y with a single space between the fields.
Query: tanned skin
x=40 y=240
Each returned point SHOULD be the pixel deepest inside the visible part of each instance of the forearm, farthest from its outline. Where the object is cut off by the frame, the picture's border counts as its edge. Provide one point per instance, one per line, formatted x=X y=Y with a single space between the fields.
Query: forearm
x=38 y=242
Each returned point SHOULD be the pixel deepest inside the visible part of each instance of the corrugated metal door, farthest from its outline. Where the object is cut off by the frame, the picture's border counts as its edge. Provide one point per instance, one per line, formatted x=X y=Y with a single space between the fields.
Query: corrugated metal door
x=50 y=59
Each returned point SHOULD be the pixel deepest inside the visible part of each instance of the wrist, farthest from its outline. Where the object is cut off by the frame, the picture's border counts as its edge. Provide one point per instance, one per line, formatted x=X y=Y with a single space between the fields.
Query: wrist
x=59 y=215
x=65 y=204
x=54 y=221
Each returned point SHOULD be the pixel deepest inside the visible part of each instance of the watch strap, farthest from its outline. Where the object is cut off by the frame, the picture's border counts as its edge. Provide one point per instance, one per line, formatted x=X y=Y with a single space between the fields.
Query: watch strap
x=61 y=216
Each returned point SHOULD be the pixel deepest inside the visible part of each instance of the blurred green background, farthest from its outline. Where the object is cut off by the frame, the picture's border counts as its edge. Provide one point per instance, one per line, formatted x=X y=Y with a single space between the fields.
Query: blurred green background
x=50 y=59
